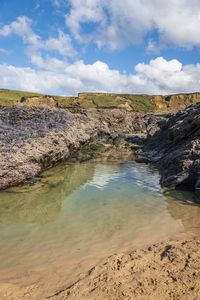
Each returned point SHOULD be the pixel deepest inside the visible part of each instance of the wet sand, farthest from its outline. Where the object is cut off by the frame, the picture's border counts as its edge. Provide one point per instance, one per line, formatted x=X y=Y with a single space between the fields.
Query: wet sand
x=167 y=270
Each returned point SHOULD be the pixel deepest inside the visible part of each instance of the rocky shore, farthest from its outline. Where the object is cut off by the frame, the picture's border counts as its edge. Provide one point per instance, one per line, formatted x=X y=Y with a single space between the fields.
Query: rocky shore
x=33 y=138
x=174 y=145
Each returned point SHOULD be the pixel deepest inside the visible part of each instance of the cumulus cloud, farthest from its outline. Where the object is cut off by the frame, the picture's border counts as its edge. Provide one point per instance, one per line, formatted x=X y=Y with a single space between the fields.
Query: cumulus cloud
x=158 y=77
x=63 y=44
x=22 y=27
x=125 y=22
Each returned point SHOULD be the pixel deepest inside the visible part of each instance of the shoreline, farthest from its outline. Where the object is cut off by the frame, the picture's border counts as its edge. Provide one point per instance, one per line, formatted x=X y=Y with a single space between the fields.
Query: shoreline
x=168 y=269
x=165 y=270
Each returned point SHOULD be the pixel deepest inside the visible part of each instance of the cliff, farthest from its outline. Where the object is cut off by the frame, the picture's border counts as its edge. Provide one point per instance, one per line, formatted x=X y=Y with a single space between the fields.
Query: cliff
x=136 y=102
x=147 y=103
x=174 y=103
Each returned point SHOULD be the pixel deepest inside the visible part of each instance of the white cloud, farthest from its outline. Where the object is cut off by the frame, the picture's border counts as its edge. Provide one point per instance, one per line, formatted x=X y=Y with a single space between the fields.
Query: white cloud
x=63 y=44
x=125 y=22
x=158 y=77
x=84 y=12
x=22 y=27
x=153 y=46
x=2 y=50
x=49 y=63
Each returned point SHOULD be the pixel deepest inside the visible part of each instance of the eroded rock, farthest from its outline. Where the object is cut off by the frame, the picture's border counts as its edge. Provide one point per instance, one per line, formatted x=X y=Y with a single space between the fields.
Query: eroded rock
x=33 y=138
x=177 y=146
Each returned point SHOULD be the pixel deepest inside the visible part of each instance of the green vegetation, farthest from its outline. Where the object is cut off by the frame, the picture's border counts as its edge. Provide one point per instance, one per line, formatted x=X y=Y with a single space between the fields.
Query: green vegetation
x=88 y=100
x=135 y=102
x=89 y=151
x=92 y=148
x=86 y=103
x=101 y=100
x=10 y=97
x=141 y=102
x=64 y=101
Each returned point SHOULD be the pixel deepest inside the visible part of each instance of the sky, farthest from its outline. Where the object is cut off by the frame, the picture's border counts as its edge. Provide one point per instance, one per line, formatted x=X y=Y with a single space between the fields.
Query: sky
x=64 y=47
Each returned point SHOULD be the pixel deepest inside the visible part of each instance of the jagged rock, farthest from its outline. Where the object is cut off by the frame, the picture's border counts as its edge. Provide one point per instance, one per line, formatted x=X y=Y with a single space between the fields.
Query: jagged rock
x=33 y=138
x=177 y=146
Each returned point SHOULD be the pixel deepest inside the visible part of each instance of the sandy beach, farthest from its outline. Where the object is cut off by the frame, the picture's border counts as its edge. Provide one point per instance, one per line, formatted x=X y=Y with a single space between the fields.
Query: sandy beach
x=167 y=270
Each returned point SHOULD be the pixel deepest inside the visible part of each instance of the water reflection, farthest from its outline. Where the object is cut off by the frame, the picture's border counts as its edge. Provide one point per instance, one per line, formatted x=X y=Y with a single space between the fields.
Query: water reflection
x=41 y=204
x=88 y=210
x=182 y=208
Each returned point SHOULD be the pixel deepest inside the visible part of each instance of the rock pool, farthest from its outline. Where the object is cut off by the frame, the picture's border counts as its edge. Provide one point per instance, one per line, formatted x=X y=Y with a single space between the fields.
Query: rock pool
x=80 y=213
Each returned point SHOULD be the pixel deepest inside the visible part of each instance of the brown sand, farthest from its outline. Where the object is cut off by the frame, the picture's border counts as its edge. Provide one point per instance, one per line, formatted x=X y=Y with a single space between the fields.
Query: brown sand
x=163 y=271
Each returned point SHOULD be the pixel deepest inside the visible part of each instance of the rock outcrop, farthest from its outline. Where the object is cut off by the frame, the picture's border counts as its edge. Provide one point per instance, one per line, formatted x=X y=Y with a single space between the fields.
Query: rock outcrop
x=176 y=147
x=174 y=103
x=33 y=138
x=39 y=100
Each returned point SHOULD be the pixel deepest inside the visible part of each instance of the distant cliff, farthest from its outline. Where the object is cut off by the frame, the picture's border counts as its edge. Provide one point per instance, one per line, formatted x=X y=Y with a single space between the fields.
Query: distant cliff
x=136 y=102
x=174 y=103
x=146 y=103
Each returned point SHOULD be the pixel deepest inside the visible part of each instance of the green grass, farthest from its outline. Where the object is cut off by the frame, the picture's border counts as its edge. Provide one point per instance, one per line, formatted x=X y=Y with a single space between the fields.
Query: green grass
x=10 y=97
x=141 y=102
x=88 y=103
x=64 y=101
x=88 y=100
x=107 y=101
x=137 y=102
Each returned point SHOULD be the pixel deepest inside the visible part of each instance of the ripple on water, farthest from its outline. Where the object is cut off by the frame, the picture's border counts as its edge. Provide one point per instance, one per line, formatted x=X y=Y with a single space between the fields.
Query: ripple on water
x=86 y=211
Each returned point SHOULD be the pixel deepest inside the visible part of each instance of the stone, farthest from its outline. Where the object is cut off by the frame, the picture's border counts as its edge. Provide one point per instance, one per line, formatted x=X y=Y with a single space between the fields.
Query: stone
x=34 y=138
x=176 y=146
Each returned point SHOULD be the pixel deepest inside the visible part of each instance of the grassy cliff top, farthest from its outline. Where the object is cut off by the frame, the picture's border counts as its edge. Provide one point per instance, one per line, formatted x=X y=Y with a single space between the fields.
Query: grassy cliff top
x=130 y=102
x=10 y=97
x=136 y=102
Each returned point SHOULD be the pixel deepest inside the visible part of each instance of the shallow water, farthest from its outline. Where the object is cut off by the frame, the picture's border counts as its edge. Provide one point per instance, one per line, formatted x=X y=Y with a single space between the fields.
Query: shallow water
x=82 y=212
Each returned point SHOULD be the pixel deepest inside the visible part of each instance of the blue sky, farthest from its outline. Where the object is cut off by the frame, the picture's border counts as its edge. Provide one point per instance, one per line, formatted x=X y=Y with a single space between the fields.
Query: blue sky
x=131 y=46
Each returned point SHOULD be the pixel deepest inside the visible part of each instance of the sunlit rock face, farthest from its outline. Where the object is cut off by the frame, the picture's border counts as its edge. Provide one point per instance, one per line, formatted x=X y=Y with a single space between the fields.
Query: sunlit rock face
x=33 y=138
x=174 y=103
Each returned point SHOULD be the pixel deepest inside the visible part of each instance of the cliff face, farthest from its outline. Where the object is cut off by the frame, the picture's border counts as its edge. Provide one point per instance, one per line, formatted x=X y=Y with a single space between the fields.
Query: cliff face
x=39 y=100
x=174 y=103
x=158 y=103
